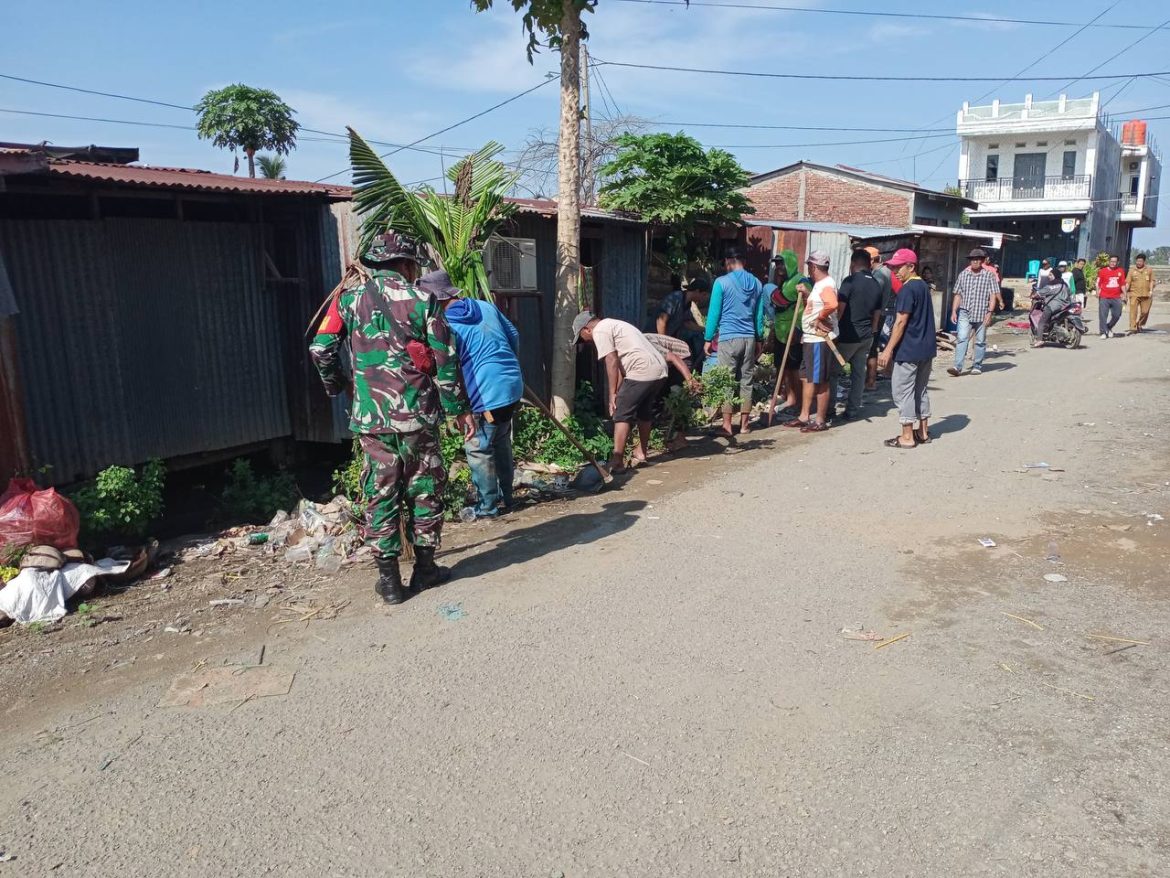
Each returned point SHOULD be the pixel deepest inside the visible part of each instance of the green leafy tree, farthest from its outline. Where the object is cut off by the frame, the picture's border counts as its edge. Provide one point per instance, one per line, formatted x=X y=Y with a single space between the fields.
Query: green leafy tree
x=671 y=179
x=455 y=227
x=272 y=167
x=251 y=119
x=1160 y=256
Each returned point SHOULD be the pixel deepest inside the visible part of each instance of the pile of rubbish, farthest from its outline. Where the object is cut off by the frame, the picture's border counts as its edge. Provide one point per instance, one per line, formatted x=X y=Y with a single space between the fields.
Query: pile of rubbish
x=38 y=531
x=324 y=534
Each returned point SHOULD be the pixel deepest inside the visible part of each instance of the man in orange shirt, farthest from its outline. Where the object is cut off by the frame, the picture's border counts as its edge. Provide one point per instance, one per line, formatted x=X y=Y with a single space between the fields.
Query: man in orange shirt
x=1140 y=287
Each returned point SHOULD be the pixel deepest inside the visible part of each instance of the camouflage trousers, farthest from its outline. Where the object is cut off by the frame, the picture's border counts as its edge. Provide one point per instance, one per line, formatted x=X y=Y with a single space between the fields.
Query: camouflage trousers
x=403 y=470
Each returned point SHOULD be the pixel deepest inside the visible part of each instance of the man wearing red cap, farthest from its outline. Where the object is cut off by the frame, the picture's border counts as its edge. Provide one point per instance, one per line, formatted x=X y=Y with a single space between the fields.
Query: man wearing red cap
x=912 y=349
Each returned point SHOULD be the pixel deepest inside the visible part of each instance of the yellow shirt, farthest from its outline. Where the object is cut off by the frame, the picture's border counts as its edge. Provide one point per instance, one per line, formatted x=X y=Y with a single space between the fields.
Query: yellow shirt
x=1141 y=282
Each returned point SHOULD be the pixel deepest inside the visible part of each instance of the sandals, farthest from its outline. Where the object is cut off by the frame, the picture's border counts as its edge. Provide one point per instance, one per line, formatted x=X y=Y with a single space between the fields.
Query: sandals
x=896 y=442
x=795 y=422
x=814 y=427
x=923 y=440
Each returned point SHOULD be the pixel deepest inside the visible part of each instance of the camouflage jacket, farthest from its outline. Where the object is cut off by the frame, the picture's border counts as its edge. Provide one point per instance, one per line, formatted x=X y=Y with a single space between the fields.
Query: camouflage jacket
x=394 y=389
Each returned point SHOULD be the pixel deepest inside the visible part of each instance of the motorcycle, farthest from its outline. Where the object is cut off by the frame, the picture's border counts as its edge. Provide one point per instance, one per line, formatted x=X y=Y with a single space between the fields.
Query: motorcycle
x=1065 y=327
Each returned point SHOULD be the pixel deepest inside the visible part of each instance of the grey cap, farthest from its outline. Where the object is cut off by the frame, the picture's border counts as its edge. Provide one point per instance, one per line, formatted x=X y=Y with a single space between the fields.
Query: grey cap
x=580 y=322
x=819 y=257
x=438 y=284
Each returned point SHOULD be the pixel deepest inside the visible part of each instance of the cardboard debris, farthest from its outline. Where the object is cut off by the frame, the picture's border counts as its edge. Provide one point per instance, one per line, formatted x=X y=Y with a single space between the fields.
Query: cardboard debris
x=227 y=685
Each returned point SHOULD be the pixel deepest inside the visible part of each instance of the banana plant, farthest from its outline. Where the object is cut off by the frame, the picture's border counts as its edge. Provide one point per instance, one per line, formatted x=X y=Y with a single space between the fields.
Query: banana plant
x=454 y=227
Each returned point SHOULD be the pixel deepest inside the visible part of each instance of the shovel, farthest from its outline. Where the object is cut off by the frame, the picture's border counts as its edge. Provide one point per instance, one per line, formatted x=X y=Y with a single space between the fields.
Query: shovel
x=606 y=477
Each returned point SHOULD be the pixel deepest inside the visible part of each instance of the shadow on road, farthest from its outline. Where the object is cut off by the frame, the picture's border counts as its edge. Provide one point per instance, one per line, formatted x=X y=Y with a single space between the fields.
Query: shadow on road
x=548 y=537
x=949 y=424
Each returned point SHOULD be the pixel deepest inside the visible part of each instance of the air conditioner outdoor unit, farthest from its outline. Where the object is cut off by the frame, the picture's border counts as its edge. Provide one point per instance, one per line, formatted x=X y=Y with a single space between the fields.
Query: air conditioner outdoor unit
x=510 y=264
x=1133 y=166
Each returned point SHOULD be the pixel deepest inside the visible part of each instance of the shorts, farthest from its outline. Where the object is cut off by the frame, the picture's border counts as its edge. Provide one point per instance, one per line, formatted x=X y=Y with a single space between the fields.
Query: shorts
x=635 y=401
x=815 y=367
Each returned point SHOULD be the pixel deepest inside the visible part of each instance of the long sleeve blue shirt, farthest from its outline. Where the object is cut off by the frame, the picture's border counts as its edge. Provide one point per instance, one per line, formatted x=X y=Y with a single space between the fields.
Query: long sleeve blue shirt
x=737 y=307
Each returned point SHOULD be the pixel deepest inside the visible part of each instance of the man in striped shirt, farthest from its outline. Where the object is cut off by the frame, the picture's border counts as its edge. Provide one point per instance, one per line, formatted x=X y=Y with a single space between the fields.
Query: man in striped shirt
x=975 y=300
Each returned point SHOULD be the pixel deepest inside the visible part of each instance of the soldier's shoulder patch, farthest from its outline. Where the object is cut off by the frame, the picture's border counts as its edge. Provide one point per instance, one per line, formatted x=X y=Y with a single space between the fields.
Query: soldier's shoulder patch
x=331 y=323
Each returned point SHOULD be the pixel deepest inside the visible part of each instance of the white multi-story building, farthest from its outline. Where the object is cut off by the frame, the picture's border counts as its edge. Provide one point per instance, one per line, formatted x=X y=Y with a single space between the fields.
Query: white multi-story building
x=1054 y=174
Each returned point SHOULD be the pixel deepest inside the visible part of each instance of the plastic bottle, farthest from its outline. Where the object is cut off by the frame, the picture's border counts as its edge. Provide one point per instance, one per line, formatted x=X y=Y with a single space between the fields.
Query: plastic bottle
x=298 y=553
x=1053 y=552
x=466 y=514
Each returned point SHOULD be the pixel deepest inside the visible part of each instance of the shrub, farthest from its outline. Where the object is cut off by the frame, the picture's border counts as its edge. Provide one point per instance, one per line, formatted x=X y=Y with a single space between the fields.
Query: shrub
x=120 y=503
x=719 y=387
x=347 y=480
x=249 y=497
x=680 y=409
x=458 y=487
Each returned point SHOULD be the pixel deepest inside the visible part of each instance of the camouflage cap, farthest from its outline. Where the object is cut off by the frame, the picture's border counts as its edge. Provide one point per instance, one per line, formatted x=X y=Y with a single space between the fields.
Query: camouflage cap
x=389 y=246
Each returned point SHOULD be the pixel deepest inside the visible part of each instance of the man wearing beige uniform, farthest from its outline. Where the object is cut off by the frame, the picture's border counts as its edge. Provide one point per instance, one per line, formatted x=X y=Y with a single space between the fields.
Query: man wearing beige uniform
x=1140 y=286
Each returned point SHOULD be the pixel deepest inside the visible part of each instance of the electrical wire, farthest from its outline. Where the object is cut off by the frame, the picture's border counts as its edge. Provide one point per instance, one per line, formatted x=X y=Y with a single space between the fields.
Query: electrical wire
x=839 y=77
x=1112 y=55
x=984 y=20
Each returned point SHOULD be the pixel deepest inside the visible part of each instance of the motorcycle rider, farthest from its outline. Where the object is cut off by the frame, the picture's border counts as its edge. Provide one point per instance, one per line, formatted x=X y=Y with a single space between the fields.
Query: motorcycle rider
x=1048 y=301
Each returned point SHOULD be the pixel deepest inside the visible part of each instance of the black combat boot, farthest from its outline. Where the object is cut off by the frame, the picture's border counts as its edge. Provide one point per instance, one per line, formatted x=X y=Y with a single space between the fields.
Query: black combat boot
x=427 y=574
x=389 y=585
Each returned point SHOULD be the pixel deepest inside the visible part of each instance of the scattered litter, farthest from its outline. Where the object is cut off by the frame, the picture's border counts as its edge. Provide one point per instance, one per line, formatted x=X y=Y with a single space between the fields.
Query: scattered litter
x=1041 y=465
x=227 y=602
x=858 y=634
x=1053 y=553
x=1121 y=528
x=308 y=612
x=452 y=612
x=636 y=759
x=160 y=574
x=895 y=639
x=257 y=539
x=654 y=481
x=1118 y=639
x=226 y=685
x=1087 y=424
x=987 y=542
x=1151 y=517
x=1025 y=621
x=1055 y=577
x=36 y=595
x=6 y=857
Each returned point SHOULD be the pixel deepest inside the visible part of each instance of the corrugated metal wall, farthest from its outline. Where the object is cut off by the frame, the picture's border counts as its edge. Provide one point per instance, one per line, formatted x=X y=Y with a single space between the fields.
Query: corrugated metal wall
x=622 y=273
x=142 y=338
x=837 y=245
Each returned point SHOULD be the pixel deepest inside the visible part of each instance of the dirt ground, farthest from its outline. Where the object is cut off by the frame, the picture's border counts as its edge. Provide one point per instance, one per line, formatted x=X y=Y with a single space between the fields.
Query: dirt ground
x=664 y=679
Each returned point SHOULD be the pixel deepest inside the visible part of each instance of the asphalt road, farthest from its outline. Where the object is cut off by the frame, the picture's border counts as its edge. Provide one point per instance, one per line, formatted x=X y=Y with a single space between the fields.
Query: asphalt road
x=657 y=684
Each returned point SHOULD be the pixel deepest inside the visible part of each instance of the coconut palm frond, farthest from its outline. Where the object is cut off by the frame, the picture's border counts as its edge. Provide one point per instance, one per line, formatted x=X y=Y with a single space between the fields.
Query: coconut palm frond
x=382 y=201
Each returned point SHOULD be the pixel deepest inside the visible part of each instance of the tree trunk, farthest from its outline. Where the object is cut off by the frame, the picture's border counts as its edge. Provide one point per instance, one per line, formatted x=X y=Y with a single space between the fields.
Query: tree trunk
x=251 y=162
x=565 y=305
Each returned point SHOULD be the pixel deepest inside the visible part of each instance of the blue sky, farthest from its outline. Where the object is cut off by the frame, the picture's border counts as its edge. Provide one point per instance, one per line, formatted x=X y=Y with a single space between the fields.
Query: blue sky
x=399 y=69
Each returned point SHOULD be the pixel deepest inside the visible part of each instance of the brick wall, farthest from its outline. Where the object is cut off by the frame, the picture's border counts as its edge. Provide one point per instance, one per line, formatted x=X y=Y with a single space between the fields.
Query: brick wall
x=831 y=198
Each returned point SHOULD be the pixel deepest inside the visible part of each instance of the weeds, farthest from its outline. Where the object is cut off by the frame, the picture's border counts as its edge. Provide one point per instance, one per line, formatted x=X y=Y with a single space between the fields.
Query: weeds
x=249 y=497
x=121 y=504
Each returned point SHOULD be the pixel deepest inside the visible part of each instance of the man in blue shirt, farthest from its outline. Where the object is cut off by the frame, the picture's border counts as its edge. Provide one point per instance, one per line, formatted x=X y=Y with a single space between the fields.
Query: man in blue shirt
x=912 y=348
x=487 y=344
x=736 y=315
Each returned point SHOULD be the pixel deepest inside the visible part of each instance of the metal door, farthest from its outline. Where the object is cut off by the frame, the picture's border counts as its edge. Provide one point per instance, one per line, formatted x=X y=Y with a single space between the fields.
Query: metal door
x=1029 y=175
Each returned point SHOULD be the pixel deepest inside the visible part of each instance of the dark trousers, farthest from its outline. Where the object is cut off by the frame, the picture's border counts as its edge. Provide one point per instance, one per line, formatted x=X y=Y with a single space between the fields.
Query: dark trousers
x=1108 y=314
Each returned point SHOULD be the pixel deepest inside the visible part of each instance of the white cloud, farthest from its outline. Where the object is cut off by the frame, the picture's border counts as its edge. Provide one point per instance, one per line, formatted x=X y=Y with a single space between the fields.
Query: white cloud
x=327 y=112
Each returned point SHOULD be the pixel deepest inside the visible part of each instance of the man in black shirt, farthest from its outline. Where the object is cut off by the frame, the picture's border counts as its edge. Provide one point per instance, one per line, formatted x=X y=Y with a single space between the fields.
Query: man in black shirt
x=1080 y=285
x=859 y=314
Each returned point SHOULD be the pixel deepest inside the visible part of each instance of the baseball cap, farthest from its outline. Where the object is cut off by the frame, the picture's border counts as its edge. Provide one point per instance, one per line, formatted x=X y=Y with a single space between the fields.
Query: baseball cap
x=580 y=322
x=904 y=256
x=977 y=253
x=1062 y=264
x=819 y=257
x=438 y=284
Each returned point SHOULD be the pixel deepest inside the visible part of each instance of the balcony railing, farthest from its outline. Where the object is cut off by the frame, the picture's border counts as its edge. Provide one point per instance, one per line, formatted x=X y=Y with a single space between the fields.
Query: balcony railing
x=1128 y=202
x=1028 y=188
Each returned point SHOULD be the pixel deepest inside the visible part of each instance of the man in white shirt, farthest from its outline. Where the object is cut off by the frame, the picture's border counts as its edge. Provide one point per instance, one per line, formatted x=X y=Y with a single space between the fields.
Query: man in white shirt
x=818 y=323
x=635 y=371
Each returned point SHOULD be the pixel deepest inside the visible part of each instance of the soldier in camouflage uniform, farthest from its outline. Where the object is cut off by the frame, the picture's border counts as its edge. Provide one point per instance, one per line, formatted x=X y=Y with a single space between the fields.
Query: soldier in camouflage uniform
x=405 y=380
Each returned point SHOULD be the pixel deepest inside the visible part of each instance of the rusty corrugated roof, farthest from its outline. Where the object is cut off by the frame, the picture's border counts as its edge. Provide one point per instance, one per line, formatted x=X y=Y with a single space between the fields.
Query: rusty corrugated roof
x=195 y=180
x=548 y=207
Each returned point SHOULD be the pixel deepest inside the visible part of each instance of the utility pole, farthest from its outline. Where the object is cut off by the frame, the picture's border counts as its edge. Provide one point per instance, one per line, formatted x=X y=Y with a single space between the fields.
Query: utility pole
x=565 y=302
x=587 y=149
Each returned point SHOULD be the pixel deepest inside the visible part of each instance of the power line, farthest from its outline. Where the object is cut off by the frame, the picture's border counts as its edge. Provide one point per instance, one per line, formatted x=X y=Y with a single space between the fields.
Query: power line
x=502 y=103
x=988 y=20
x=824 y=143
x=795 y=127
x=1150 y=32
x=831 y=77
x=89 y=91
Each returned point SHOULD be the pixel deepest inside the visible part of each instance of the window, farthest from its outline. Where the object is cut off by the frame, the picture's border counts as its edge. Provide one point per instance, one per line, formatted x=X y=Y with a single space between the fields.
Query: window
x=992 y=168
x=1069 y=166
x=1021 y=145
x=1042 y=143
x=1133 y=185
x=1070 y=143
x=993 y=146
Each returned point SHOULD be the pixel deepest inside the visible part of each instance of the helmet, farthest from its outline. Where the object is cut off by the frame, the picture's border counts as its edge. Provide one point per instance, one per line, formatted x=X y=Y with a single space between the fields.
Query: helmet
x=391 y=245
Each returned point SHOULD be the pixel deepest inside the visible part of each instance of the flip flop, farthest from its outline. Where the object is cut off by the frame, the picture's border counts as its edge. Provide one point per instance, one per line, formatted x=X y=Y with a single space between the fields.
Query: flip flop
x=918 y=440
x=896 y=442
x=795 y=422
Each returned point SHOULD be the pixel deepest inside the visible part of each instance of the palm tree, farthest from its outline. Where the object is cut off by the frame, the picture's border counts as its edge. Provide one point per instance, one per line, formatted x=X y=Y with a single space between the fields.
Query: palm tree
x=251 y=119
x=454 y=227
x=272 y=167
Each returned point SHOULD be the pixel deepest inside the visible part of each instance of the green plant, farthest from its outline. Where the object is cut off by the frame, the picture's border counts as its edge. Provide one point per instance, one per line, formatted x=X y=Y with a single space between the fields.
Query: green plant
x=680 y=406
x=455 y=227
x=455 y=494
x=347 y=480
x=251 y=119
x=7 y=573
x=670 y=179
x=120 y=503
x=1101 y=260
x=719 y=387
x=38 y=628
x=535 y=439
x=249 y=497
x=272 y=167
x=450 y=445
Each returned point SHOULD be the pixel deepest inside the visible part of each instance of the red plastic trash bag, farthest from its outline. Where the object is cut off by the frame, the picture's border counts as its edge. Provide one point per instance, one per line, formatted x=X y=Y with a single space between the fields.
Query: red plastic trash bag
x=29 y=517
